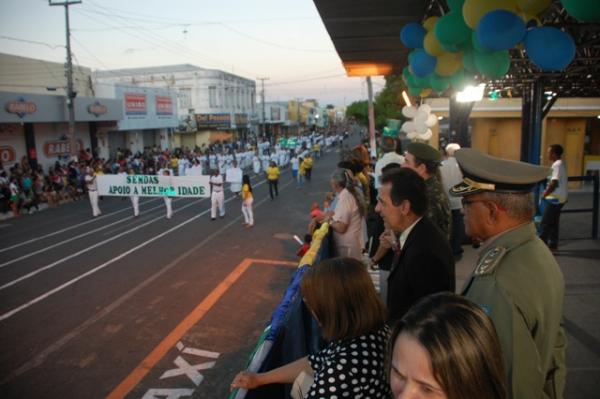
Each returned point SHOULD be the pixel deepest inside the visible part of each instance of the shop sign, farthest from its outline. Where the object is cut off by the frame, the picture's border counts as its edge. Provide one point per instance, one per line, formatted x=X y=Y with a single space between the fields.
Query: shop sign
x=213 y=120
x=135 y=104
x=7 y=154
x=241 y=120
x=164 y=105
x=20 y=107
x=97 y=109
x=60 y=147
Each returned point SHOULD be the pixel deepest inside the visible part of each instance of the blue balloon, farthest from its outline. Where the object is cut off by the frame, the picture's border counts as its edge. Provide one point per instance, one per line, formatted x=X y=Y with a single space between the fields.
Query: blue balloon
x=412 y=35
x=422 y=64
x=500 y=30
x=549 y=48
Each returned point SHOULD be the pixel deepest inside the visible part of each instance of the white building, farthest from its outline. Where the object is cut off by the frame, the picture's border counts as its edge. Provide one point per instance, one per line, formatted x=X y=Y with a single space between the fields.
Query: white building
x=277 y=118
x=211 y=104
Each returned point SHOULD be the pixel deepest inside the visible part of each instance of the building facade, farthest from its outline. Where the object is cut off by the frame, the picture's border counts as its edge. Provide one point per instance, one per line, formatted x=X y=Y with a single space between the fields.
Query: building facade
x=211 y=104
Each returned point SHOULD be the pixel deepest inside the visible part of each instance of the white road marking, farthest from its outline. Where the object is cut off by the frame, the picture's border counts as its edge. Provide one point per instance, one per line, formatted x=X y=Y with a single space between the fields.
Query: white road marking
x=191 y=371
x=121 y=256
x=58 y=244
x=68 y=228
x=162 y=393
x=73 y=255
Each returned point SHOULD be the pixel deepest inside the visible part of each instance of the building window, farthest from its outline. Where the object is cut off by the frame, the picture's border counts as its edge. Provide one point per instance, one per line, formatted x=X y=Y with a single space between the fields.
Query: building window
x=185 y=97
x=212 y=96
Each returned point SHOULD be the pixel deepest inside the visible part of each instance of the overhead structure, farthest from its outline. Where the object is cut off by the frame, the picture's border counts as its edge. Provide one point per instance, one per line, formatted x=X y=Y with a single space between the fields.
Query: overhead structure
x=366 y=35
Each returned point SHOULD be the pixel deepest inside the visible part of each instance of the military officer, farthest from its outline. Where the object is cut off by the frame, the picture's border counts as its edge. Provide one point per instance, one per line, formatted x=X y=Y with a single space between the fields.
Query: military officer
x=426 y=160
x=516 y=280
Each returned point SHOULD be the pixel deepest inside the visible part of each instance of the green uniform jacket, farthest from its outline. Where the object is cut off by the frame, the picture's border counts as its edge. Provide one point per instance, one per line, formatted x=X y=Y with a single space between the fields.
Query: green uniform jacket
x=520 y=286
x=438 y=205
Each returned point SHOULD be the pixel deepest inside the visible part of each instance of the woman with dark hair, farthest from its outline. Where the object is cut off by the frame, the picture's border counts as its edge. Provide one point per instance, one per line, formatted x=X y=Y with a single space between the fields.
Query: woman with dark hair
x=347 y=221
x=247 y=199
x=340 y=295
x=446 y=347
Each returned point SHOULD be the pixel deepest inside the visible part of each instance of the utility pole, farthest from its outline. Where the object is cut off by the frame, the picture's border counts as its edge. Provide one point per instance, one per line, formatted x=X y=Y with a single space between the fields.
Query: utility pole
x=262 y=97
x=69 y=72
x=371 y=118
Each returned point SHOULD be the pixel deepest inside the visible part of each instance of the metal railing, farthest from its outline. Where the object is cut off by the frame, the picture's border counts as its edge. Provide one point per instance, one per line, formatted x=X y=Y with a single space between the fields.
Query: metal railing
x=594 y=209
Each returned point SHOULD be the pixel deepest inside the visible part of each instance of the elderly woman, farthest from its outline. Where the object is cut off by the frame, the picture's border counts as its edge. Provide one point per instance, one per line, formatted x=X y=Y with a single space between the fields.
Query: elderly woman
x=347 y=221
x=341 y=297
x=446 y=347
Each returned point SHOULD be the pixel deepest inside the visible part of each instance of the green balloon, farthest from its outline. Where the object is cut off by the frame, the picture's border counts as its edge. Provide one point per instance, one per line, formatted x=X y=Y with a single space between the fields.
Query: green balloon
x=414 y=91
x=451 y=30
x=469 y=59
x=439 y=83
x=583 y=10
x=421 y=82
x=476 y=45
x=493 y=65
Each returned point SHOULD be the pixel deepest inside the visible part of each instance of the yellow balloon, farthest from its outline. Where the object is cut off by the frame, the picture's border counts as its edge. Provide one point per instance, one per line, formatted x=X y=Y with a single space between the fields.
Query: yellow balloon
x=425 y=93
x=533 y=7
x=429 y=23
x=431 y=44
x=449 y=63
x=474 y=10
x=526 y=17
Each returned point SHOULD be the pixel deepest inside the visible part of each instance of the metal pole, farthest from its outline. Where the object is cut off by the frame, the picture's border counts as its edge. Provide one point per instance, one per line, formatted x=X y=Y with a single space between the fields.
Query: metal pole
x=262 y=96
x=69 y=72
x=371 y=118
x=298 y=115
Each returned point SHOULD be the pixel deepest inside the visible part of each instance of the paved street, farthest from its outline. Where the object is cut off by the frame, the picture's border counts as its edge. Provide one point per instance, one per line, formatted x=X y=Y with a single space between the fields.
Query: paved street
x=90 y=307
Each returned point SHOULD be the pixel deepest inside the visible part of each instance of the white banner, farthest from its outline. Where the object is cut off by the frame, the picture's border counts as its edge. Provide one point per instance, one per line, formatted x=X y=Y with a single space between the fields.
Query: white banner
x=153 y=186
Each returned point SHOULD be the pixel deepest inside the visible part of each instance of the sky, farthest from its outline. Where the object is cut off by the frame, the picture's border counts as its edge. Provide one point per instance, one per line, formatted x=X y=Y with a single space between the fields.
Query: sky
x=283 y=40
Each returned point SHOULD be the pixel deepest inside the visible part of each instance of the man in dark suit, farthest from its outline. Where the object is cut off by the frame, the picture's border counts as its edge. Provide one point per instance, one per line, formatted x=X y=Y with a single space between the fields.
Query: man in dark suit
x=423 y=262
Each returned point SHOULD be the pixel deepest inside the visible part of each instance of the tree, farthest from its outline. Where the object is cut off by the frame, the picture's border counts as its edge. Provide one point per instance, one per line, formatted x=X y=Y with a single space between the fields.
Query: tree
x=359 y=110
x=388 y=104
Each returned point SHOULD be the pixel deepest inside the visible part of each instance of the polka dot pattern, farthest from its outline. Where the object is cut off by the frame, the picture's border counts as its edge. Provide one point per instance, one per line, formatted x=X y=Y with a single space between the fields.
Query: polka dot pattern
x=351 y=369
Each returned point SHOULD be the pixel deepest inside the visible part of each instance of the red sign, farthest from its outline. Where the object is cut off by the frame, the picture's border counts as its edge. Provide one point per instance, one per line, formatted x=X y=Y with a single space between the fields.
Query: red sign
x=135 y=104
x=164 y=105
x=97 y=109
x=20 y=107
x=7 y=154
x=60 y=147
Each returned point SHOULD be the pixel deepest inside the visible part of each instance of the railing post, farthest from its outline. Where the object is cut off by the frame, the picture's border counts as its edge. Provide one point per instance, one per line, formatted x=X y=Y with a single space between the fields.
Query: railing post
x=595 y=208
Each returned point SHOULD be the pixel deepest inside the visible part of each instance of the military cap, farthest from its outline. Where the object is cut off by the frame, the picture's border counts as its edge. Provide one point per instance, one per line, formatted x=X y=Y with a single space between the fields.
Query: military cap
x=482 y=172
x=424 y=152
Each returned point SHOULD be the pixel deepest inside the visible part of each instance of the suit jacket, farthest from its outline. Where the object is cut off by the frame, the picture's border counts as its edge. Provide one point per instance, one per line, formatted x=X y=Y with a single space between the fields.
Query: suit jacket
x=425 y=266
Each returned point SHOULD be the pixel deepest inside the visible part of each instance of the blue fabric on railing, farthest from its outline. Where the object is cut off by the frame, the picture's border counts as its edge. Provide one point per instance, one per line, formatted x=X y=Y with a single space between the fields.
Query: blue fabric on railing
x=278 y=316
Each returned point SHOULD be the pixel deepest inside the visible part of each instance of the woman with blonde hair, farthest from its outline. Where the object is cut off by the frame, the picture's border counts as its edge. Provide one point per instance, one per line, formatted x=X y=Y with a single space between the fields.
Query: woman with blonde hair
x=446 y=347
x=340 y=295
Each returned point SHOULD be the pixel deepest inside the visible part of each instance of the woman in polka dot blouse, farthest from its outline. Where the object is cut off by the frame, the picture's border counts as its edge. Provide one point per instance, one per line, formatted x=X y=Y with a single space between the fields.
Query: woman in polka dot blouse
x=341 y=296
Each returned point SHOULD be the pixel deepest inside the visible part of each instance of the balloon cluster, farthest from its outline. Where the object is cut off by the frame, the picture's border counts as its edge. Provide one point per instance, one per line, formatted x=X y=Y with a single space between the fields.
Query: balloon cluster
x=475 y=37
x=420 y=125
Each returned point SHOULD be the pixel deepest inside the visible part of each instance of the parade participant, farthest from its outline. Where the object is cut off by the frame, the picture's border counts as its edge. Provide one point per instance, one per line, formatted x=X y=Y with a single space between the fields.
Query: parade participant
x=234 y=177
x=295 y=165
x=264 y=159
x=135 y=199
x=423 y=262
x=217 y=196
x=308 y=166
x=340 y=295
x=182 y=165
x=425 y=160
x=555 y=197
x=92 y=188
x=273 y=179
x=516 y=280
x=168 y=200
x=301 y=172
x=446 y=347
x=256 y=163
x=247 y=200
x=195 y=169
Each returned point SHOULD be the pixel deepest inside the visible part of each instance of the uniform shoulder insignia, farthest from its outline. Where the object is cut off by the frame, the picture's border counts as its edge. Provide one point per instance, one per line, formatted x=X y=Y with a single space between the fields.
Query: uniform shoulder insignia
x=490 y=261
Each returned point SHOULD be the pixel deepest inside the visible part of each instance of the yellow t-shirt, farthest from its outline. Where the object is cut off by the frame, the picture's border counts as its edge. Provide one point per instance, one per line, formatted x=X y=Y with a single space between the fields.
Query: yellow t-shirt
x=303 y=167
x=309 y=163
x=272 y=173
x=246 y=193
x=174 y=162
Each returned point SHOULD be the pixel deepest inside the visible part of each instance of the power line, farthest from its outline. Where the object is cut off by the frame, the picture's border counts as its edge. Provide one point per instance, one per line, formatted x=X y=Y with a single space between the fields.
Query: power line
x=16 y=39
